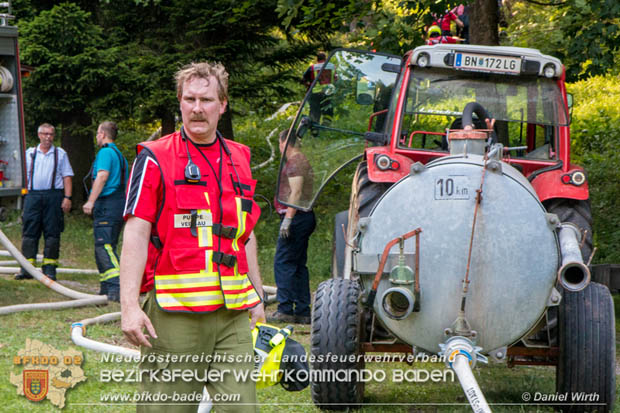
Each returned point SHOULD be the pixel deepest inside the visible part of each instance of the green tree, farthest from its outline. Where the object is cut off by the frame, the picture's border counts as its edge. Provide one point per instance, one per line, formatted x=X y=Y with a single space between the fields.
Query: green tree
x=75 y=75
x=393 y=26
x=585 y=35
x=158 y=37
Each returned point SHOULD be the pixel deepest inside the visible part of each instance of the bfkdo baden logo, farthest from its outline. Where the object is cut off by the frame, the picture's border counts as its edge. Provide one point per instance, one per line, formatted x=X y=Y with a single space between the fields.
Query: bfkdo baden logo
x=46 y=373
x=35 y=384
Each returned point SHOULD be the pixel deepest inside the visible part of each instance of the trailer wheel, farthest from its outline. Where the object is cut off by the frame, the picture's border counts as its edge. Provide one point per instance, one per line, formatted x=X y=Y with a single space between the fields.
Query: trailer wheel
x=586 y=365
x=338 y=243
x=337 y=321
x=364 y=196
x=577 y=212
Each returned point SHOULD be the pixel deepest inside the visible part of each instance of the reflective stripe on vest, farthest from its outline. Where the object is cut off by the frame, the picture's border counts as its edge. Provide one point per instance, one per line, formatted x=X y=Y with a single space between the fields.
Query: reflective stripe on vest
x=205 y=234
x=239 y=292
x=181 y=292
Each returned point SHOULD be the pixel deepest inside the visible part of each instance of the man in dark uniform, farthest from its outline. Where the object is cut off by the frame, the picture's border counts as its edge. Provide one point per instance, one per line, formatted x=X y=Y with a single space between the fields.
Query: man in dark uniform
x=49 y=195
x=106 y=202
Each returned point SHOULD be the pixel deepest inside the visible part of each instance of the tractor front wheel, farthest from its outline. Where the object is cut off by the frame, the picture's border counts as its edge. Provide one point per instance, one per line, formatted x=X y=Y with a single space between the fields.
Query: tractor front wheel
x=336 y=333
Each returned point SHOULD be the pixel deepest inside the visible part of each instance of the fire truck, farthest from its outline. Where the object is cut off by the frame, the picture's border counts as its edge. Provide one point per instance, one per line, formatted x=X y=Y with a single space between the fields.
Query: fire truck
x=12 y=137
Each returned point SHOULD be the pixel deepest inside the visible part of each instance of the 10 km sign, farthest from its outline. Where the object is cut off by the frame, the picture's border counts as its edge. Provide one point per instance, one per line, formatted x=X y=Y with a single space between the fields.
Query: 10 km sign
x=452 y=187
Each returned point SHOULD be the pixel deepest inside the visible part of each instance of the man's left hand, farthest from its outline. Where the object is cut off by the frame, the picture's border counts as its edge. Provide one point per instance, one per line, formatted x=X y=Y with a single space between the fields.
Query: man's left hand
x=66 y=205
x=257 y=314
x=88 y=208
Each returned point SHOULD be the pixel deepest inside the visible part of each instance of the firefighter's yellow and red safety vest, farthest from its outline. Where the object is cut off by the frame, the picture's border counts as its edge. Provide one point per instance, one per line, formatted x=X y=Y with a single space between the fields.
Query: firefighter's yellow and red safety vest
x=198 y=260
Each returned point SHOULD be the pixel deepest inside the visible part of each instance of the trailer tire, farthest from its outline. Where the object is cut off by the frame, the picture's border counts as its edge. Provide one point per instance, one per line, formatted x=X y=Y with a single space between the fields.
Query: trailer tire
x=587 y=339
x=337 y=320
x=338 y=243
x=576 y=212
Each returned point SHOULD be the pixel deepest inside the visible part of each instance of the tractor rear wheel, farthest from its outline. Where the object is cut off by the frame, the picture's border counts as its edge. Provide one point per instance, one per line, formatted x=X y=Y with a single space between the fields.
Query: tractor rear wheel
x=338 y=243
x=337 y=321
x=576 y=212
x=587 y=363
x=364 y=195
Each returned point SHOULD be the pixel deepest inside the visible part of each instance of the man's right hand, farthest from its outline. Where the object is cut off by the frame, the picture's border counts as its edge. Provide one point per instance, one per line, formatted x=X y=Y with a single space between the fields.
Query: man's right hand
x=285 y=227
x=88 y=207
x=133 y=321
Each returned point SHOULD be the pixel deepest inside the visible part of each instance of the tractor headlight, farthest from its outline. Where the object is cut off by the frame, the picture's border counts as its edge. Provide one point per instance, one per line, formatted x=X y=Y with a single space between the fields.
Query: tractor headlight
x=549 y=70
x=423 y=60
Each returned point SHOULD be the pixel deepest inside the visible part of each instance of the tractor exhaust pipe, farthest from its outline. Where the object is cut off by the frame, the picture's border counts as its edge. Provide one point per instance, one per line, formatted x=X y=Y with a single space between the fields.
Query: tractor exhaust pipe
x=398 y=302
x=574 y=274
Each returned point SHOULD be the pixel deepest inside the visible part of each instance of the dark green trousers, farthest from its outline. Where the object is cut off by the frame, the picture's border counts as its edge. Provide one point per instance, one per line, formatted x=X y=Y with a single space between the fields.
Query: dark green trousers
x=216 y=345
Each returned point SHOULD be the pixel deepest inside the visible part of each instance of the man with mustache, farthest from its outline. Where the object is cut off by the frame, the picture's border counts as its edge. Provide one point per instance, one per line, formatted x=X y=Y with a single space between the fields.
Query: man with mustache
x=190 y=247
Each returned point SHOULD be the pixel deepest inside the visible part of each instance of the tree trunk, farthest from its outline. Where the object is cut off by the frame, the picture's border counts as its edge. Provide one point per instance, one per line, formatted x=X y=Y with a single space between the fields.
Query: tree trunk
x=77 y=140
x=225 y=124
x=483 y=28
x=168 y=125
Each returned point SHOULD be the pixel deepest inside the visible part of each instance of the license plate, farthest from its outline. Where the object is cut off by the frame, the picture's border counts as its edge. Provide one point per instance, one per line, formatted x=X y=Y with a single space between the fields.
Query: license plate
x=488 y=63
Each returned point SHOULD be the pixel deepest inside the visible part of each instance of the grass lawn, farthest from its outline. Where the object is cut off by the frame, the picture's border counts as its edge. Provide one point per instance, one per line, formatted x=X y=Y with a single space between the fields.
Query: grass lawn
x=502 y=387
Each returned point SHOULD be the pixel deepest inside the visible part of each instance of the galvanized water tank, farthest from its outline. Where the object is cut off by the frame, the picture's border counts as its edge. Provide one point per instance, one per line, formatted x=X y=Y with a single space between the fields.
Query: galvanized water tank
x=514 y=258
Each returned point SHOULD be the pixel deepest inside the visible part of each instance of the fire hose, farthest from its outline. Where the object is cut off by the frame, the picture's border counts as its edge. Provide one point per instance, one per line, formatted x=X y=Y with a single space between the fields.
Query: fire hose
x=78 y=299
x=461 y=356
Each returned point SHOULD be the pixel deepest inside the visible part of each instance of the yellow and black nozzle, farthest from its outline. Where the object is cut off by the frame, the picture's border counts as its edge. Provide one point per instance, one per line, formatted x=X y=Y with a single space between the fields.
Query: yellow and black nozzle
x=282 y=359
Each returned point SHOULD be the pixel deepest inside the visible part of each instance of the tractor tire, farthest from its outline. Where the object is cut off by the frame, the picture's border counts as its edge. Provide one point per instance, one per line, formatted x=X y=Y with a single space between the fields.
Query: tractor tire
x=337 y=321
x=338 y=244
x=364 y=196
x=578 y=213
x=587 y=363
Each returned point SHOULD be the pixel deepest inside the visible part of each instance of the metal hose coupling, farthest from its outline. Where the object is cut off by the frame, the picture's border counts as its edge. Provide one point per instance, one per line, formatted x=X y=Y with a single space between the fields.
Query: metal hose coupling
x=398 y=302
x=461 y=356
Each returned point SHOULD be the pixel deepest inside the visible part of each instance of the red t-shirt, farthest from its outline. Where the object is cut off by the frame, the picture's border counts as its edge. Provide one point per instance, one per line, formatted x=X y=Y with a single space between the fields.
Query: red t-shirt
x=296 y=165
x=445 y=21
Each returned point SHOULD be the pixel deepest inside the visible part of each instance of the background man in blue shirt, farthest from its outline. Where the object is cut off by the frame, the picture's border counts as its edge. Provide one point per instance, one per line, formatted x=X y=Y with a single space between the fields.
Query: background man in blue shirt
x=106 y=203
x=49 y=195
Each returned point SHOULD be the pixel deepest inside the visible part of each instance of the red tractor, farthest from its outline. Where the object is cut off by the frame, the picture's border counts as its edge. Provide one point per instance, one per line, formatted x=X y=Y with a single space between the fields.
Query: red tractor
x=469 y=231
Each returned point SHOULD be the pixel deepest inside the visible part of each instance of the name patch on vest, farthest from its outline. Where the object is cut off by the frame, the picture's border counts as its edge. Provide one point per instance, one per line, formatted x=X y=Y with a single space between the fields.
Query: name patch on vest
x=204 y=219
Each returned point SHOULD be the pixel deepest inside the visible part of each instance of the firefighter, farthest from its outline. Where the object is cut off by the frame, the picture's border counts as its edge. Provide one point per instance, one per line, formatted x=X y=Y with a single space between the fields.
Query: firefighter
x=435 y=37
x=321 y=96
x=189 y=245
x=49 y=195
x=445 y=21
x=105 y=202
